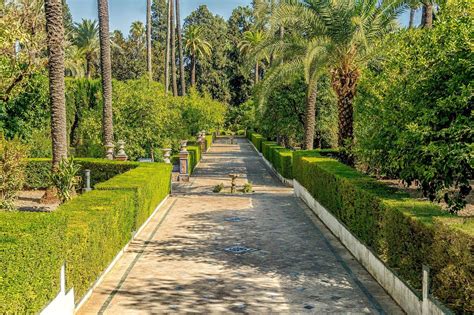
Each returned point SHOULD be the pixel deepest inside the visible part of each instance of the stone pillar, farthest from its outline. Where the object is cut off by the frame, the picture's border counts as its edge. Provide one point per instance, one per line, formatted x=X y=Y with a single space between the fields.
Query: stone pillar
x=109 y=151
x=184 y=162
x=87 y=177
x=167 y=156
x=121 y=155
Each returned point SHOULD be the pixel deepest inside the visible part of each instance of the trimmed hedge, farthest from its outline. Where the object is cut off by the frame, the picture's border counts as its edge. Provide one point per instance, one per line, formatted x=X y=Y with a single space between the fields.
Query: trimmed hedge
x=31 y=255
x=257 y=140
x=209 y=141
x=283 y=162
x=150 y=184
x=38 y=170
x=86 y=233
x=194 y=156
x=405 y=233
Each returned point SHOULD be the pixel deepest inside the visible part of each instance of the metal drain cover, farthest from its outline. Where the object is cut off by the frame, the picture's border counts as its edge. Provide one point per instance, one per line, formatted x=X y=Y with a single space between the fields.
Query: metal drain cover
x=238 y=249
x=235 y=219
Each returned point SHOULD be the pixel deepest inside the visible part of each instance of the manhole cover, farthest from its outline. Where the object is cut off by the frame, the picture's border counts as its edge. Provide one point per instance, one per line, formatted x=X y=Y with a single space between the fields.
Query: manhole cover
x=239 y=249
x=234 y=219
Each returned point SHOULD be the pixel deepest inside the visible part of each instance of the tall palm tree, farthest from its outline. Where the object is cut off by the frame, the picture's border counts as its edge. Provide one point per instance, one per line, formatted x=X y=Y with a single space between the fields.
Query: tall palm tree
x=353 y=27
x=174 y=82
x=251 y=40
x=427 y=15
x=180 y=49
x=148 y=40
x=414 y=5
x=86 y=38
x=106 y=71
x=55 y=42
x=168 y=48
x=197 y=47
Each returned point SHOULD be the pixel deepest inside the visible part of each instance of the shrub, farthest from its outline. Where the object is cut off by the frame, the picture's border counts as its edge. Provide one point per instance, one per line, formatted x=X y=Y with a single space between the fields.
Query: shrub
x=257 y=141
x=209 y=141
x=12 y=171
x=283 y=162
x=405 y=233
x=38 y=171
x=194 y=157
x=31 y=255
x=151 y=183
x=218 y=188
x=266 y=148
x=86 y=232
x=65 y=179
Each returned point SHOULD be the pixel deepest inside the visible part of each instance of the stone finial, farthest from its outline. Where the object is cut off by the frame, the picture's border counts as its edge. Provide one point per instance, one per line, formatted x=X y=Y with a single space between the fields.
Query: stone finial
x=121 y=155
x=184 y=144
x=167 y=156
x=109 y=151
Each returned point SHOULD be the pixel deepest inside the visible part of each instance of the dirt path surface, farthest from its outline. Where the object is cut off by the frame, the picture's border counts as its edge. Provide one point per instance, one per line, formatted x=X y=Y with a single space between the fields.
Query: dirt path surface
x=185 y=260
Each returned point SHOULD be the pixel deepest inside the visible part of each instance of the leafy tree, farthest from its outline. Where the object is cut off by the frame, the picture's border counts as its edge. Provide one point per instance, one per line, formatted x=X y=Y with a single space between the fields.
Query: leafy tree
x=212 y=72
x=159 y=11
x=239 y=78
x=148 y=40
x=197 y=47
x=414 y=110
x=106 y=72
x=86 y=39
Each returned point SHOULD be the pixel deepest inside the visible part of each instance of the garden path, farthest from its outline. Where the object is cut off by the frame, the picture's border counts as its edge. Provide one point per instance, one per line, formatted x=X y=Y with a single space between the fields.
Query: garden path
x=179 y=262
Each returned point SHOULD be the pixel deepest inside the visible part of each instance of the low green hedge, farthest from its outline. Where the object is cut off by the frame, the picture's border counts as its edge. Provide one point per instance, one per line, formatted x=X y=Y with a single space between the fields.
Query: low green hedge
x=257 y=140
x=209 y=141
x=31 y=255
x=404 y=232
x=194 y=156
x=283 y=162
x=38 y=170
x=86 y=233
x=266 y=145
x=150 y=183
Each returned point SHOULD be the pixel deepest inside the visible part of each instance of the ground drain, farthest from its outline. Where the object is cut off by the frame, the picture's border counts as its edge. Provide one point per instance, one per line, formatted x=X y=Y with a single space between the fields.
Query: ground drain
x=239 y=249
x=235 y=219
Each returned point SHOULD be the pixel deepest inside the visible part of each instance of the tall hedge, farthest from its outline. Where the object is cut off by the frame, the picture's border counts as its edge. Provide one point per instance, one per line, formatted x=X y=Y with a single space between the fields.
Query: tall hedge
x=86 y=233
x=404 y=232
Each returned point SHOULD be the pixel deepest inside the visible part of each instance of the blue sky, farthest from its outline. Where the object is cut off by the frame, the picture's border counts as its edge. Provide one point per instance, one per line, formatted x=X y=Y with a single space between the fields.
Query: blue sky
x=124 y=12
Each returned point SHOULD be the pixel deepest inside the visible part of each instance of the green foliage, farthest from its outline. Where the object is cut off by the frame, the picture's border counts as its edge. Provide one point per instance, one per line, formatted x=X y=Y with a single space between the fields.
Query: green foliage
x=31 y=255
x=38 y=171
x=12 y=171
x=150 y=183
x=218 y=188
x=414 y=109
x=209 y=140
x=86 y=233
x=257 y=140
x=248 y=188
x=283 y=162
x=65 y=179
x=402 y=231
x=194 y=157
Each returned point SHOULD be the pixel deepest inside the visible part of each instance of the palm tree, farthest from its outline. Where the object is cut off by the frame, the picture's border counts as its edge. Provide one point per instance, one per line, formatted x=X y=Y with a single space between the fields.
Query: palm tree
x=55 y=42
x=174 y=81
x=413 y=5
x=148 y=40
x=180 y=48
x=106 y=71
x=197 y=47
x=168 y=46
x=427 y=15
x=252 y=39
x=353 y=27
x=86 y=38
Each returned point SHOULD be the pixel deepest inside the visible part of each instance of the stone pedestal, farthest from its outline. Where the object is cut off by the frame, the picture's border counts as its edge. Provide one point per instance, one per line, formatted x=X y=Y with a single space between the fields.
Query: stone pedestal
x=121 y=155
x=167 y=156
x=184 y=172
x=109 y=151
x=87 y=181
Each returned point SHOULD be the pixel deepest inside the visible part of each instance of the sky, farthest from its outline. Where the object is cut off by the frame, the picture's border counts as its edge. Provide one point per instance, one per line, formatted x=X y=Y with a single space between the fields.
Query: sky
x=124 y=12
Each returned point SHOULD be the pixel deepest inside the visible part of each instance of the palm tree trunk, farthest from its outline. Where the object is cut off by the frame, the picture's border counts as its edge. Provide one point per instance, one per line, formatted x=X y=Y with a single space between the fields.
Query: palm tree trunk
x=310 y=117
x=428 y=20
x=88 y=65
x=193 y=69
x=106 y=71
x=344 y=82
x=55 y=42
x=180 y=48
x=148 y=39
x=257 y=74
x=173 y=52
x=412 y=18
x=167 y=56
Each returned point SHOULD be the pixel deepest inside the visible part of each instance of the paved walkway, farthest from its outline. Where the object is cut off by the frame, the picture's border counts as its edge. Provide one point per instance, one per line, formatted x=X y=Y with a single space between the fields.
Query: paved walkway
x=179 y=263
